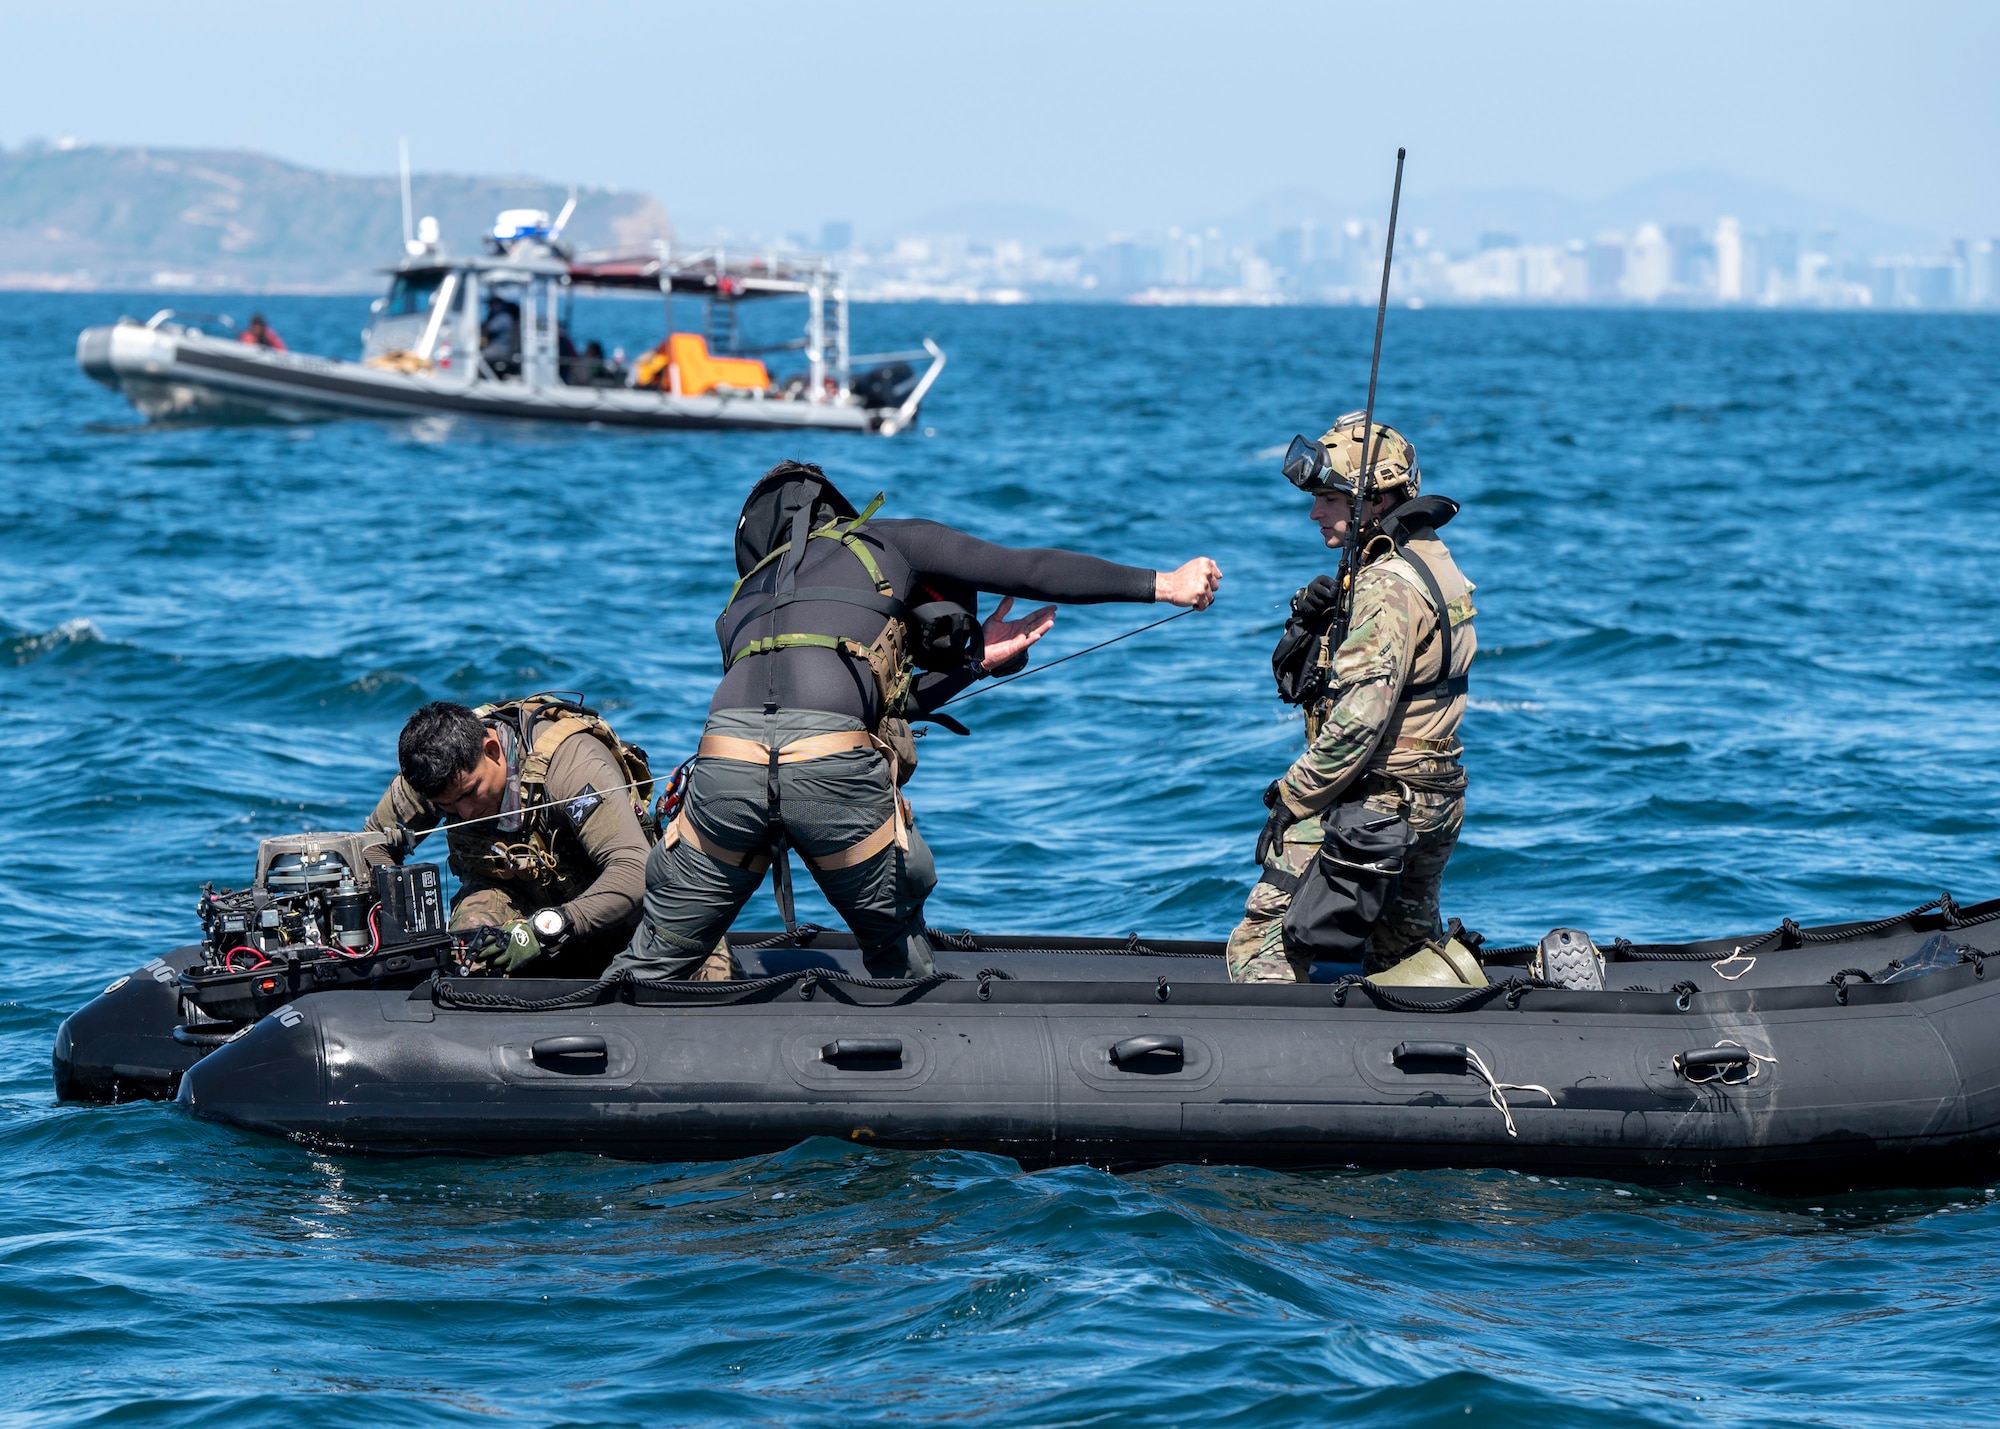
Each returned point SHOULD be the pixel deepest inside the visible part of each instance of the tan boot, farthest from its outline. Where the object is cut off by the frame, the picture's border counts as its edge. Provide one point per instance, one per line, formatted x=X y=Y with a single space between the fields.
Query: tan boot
x=721 y=965
x=1442 y=964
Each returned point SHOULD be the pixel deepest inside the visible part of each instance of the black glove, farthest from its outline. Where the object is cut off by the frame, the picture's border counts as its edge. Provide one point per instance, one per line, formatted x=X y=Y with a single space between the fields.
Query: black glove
x=1282 y=818
x=1311 y=602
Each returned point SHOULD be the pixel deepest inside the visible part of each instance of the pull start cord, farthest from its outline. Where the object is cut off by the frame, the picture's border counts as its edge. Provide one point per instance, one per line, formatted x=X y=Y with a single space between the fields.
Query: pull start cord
x=1073 y=655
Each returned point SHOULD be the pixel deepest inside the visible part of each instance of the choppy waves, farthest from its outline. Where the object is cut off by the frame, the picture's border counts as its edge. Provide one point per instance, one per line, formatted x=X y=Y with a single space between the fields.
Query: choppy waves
x=1735 y=665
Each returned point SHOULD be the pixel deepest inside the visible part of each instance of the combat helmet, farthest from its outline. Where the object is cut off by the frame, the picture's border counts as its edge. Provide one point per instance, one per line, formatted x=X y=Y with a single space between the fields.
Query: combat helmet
x=1332 y=462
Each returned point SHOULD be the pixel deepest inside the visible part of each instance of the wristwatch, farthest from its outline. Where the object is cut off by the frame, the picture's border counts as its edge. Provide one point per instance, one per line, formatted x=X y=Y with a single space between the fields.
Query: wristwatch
x=551 y=925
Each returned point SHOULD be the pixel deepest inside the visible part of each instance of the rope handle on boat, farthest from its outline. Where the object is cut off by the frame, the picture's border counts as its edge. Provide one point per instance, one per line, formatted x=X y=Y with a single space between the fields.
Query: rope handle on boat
x=1838 y=982
x=1466 y=1056
x=1688 y=1063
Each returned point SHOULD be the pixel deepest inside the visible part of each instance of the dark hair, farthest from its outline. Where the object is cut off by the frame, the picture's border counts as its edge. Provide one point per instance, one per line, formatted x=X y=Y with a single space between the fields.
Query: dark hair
x=441 y=741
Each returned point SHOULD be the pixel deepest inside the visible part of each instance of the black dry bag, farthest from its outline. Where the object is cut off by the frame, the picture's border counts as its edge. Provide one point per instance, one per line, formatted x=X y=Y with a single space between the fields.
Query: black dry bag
x=1350 y=881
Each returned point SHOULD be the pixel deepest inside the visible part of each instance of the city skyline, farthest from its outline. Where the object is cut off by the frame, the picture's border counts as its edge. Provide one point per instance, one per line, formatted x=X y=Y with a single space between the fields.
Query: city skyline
x=1124 y=114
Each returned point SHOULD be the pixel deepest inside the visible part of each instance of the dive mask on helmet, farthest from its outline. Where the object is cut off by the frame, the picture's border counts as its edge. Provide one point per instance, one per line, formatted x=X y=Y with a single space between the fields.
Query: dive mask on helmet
x=1305 y=465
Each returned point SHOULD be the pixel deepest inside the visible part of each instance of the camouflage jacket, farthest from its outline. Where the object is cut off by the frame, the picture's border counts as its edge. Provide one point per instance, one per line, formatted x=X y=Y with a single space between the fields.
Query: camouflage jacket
x=1366 y=724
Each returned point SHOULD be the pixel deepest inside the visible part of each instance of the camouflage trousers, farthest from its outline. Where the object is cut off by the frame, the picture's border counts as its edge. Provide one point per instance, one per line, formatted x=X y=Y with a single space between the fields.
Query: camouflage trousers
x=1256 y=951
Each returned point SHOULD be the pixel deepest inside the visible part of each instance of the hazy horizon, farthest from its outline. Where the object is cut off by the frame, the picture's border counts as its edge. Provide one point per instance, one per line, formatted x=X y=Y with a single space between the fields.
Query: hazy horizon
x=1121 y=115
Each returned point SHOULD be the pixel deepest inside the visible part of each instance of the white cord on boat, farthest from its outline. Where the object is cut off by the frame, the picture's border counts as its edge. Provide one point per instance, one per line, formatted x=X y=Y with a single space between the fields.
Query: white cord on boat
x=1739 y=956
x=1494 y=1088
x=1756 y=1063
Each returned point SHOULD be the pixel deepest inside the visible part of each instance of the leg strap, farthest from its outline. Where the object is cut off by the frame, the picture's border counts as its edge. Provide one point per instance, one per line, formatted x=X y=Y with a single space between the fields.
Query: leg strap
x=891 y=832
x=756 y=860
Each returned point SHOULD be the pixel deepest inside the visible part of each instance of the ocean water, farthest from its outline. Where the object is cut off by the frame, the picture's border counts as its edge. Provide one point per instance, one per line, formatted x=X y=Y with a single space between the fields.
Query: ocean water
x=1739 y=660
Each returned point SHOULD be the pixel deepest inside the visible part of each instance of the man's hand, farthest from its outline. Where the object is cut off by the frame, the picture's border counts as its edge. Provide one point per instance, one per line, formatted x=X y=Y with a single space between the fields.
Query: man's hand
x=506 y=948
x=1193 y=584
x=1311 y=602
x=1007 y=641
x=1273 y=836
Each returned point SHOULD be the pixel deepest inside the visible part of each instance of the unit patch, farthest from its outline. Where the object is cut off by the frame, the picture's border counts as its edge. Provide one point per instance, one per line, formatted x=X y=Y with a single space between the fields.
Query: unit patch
x=581 y=808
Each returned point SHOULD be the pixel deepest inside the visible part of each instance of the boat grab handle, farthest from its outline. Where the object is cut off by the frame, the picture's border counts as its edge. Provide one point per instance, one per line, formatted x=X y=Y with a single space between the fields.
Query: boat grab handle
x=1431 y=1052
x=862 y=1049
x=1715 y=1057
x=571 y=1052
x=1154 y=1047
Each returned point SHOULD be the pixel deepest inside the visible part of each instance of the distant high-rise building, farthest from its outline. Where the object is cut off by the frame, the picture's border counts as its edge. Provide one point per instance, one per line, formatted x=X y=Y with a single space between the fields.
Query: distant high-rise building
x=1753 y=268
x=1605 y=268
x=1728 y=247
x=836 y=235
x=1693 y=262
x=1933 y=282
x=1649 y=264
x=1498 y=238
x=1781 y=265
x=1983 y=273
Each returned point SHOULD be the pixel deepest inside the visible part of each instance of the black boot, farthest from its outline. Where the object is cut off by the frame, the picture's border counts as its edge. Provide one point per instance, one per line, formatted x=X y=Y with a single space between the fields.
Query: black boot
x=906 y=956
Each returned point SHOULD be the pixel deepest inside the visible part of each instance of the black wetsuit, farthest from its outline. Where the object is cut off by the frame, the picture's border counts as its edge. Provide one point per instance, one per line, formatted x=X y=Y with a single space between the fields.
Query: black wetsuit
x=910 y=554
x=837 y=807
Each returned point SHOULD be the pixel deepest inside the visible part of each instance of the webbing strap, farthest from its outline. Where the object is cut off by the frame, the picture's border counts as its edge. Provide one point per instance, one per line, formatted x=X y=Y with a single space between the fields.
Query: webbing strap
x=1279 y=879
x=844 y=644
x=1447 y=686
x=890 y=832
x=755 y=860
x=751 y=751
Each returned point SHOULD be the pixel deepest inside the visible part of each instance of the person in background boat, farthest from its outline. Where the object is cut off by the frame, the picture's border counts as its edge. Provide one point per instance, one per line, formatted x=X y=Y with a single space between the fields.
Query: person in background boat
x=553 y=885
x=1385 y=733
x=261 y=334
x=590 y=367
x=500 y=337
x=842 y=627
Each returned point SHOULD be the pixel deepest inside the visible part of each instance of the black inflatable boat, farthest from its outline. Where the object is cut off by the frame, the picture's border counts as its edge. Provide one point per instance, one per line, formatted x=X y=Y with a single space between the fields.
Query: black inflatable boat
x=1800 y=1058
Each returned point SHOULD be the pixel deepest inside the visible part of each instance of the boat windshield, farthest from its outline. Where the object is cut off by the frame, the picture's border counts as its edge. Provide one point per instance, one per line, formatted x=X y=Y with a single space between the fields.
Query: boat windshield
x=413 y=293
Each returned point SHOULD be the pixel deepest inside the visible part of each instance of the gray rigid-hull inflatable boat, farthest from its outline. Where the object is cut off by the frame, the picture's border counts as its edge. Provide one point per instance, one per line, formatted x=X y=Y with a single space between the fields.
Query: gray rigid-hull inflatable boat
x=1803 y=1058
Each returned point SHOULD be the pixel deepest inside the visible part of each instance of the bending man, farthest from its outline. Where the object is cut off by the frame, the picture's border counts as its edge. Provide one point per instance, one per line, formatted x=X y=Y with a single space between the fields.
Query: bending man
x=842 y=627
x=555 y=860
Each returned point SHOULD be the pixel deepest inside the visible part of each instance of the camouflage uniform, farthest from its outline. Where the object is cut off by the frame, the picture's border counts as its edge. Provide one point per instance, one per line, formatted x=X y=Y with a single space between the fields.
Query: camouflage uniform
x=1367 y=738
x=595 y=869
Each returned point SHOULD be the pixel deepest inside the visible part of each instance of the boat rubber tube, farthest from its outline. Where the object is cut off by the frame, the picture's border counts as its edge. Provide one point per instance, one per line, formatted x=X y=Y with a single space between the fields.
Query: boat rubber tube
x=1785 y=1087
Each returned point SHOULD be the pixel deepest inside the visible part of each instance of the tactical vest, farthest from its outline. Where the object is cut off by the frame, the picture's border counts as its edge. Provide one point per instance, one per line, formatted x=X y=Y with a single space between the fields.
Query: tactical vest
x=936 y=634
x=547 y=851
x=887 y=657
x=1424 y=722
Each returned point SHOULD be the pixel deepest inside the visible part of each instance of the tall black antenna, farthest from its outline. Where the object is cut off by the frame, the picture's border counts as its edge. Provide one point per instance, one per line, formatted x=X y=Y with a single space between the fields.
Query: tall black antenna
x=1363 y=485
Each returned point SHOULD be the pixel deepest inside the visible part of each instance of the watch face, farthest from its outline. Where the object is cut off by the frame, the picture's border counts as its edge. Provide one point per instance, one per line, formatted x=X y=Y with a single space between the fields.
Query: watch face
x=548 y=922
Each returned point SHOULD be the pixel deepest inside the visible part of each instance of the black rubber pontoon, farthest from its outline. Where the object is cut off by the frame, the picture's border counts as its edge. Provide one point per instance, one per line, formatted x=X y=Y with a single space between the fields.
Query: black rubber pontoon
x=1809 y=1061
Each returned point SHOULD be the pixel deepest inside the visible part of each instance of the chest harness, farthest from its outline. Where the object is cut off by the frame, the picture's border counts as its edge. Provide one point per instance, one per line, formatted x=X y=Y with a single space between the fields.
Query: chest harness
x=945 y=634
x=544 y=848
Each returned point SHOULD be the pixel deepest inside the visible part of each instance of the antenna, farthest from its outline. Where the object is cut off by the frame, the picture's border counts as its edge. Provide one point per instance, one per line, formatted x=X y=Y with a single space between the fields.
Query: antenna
x=403 y=155
x=562 y=219
x=1350 y=556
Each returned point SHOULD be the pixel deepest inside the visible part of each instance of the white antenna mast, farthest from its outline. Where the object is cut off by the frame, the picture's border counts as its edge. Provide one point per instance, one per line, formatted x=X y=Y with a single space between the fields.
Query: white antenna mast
x=403 y=154
x=562 y=219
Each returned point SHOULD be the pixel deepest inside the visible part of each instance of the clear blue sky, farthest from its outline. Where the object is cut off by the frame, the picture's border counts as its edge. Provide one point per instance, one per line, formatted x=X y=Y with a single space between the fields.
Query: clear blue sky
x=776 y=114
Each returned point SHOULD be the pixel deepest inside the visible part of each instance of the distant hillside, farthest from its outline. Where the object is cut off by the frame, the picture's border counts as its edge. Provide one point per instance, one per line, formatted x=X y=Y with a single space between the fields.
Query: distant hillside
x=108 y=217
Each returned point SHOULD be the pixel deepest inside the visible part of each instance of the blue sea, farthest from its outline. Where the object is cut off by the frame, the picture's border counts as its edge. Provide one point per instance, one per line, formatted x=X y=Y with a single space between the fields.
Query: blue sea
x=1739 y=661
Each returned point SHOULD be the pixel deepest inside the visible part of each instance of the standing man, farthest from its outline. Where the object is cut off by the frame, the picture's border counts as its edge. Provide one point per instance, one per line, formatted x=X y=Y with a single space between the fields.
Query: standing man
x=1383 y=703
x=842 y=627
x=550 y=852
